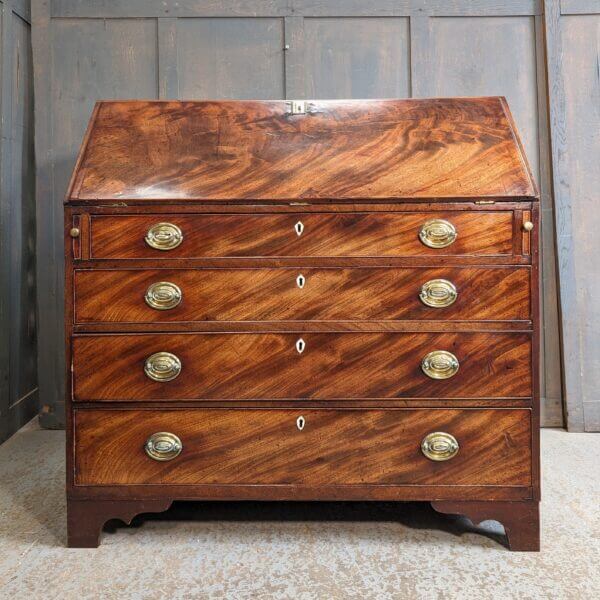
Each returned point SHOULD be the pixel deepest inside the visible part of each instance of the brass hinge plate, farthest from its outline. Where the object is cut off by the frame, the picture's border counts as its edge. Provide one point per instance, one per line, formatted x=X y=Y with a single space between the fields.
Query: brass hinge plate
x=485 y=202
x=297 y=107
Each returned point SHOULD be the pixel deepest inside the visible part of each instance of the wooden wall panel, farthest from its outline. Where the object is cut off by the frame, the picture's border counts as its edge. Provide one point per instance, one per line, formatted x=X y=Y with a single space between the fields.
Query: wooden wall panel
x=357 y=57
x=499 y=56
x=581 y=59
x=22 y=286
x=230 y=58
x=95 y=58
x=493 y=56
x=18 y=341
x=90 y=49
x=88 y=59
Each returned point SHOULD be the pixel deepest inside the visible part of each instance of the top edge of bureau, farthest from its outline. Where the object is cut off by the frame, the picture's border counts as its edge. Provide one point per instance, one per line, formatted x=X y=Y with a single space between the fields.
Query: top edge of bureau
x=475 y=201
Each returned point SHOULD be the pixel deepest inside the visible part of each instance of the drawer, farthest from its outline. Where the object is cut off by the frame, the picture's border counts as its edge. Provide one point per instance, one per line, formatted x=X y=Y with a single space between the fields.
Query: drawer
x=303 y=447
x=324 y=294
x=311 y=365
x=483 y=233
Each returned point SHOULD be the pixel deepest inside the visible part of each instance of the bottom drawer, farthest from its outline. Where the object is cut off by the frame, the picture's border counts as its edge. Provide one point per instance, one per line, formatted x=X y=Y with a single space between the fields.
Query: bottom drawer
x=303 y=447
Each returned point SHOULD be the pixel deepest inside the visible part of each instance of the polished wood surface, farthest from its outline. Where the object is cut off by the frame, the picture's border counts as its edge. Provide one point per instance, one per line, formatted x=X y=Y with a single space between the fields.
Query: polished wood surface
x=85 y=519
x=340 y=149
x=521 y=520
x=346 y=365
x=117 y=295
x=380 y=447
x=323 y=234
x=357 y=381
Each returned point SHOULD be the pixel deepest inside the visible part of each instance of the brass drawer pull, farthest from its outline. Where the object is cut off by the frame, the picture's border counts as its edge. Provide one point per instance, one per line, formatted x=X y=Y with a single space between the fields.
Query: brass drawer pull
x=163 y=446
x=439 y=446
x=438 y=293
x=162 y=366
x=440 y=364
x=528 y=226
x=163 y=295
x=164 y=236
x=437 y=233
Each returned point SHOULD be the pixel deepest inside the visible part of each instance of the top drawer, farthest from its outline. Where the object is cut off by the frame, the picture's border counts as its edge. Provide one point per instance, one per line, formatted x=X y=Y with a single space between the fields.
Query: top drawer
x=439 y=233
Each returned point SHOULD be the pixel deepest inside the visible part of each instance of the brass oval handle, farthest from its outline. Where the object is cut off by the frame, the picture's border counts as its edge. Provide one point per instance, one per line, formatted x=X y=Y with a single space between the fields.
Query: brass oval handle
x=440 y=364
x=163 y=295
x=437 y=233
x=162 y=366
x=439 y=446
x=438 y=293
x=164 y=236
x=163 y=446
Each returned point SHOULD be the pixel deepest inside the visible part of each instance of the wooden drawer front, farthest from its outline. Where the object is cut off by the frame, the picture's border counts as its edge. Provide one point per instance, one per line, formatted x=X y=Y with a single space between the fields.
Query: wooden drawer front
x=335 y=447
x=329 y=366
x=323 y=234
x=495 y=293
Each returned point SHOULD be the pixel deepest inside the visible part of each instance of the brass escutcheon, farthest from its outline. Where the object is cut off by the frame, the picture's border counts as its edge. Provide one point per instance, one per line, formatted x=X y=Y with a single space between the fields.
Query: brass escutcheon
x=163 y=295
x=164 y=236
x=437 y=233
x=439 y=446
x=163 y=446
x=162 y=366
x=440 y=364
x=438 y=293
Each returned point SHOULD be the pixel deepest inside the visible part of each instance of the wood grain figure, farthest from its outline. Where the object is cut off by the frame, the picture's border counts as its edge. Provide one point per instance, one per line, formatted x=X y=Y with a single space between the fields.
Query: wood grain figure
x=327 y=366
x=302 y=294
x=334 y=302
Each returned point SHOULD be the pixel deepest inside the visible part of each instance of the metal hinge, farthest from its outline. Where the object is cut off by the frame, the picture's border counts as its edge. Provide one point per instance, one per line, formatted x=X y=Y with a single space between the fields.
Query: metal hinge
x=485 y=202
x=297 y=107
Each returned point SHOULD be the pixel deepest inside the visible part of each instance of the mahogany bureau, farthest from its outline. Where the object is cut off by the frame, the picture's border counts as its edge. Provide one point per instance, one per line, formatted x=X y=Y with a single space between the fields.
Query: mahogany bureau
x=307 y=300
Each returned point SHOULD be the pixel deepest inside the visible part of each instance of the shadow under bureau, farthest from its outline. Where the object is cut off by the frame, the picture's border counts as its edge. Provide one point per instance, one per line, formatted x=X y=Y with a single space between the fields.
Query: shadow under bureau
x=316 y=300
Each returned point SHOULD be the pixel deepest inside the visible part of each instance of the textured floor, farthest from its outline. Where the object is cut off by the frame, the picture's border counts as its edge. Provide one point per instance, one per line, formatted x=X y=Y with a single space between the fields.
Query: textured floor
x=296 y=551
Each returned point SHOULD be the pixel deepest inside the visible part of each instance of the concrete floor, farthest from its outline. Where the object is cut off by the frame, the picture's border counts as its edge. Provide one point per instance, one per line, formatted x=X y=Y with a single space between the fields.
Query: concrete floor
x=296 y=551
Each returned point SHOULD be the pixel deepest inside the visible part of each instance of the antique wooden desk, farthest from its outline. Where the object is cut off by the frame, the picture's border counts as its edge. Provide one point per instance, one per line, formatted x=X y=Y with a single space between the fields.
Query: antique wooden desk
x=320 y=300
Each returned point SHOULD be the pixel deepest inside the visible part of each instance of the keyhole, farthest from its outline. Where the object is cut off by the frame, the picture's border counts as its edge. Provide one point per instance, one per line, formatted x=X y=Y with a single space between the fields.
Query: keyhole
x=299 y=227
x=300 y=281
x=300 y=422
x=300 y=345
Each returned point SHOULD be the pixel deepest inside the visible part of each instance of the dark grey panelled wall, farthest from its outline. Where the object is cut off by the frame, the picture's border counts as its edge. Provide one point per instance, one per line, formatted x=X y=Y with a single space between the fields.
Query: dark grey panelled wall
x=18 y=351
x=90 y=49
x=573 y=41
